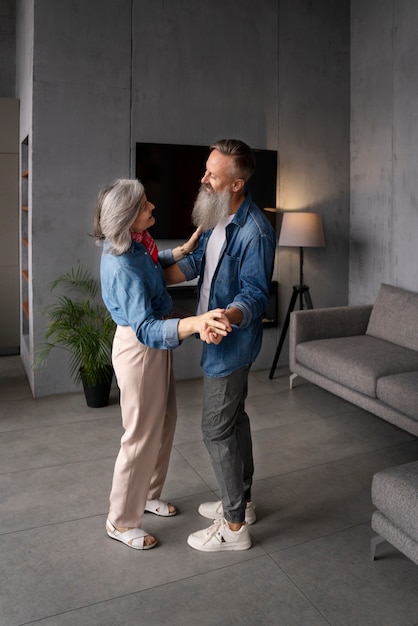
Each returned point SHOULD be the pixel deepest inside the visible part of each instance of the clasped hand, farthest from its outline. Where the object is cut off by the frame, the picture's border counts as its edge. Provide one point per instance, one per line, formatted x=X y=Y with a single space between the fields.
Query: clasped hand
x=215 y=326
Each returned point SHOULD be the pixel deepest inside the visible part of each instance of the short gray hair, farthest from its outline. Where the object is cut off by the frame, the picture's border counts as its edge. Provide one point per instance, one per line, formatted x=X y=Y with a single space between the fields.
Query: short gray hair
x=244 y=159
x=116 y=210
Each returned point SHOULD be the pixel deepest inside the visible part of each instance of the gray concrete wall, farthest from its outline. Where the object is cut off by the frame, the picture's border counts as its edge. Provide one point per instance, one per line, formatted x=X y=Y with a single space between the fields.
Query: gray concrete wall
x=202 y=71
x=205 y=70
x=94 y=96
x=384 y=139
x=185 y=72
x=314 y=135
x=24 y=63
x=81 y=141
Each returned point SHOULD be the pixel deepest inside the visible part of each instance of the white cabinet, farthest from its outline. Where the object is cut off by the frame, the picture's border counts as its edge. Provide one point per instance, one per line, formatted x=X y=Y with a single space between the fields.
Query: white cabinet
x=9 y=226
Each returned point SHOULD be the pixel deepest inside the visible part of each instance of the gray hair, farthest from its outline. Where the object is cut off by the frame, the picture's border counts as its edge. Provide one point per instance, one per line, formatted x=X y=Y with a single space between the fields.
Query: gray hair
x=244 y=159
x=116 y=210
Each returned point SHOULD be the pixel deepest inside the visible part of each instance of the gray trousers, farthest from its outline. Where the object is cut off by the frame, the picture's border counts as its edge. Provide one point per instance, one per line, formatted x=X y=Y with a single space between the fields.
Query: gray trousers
x=227 y=436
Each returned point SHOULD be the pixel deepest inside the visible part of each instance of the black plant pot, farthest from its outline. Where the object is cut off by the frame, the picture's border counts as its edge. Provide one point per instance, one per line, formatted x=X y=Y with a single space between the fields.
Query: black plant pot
x=97 y=396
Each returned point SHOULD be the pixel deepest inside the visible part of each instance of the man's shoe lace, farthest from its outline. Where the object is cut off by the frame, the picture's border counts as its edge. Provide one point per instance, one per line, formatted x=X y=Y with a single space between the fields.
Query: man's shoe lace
x=215 y=531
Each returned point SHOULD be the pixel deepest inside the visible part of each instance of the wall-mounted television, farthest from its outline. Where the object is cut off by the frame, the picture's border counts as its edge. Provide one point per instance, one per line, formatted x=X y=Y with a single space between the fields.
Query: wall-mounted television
x=171 y=175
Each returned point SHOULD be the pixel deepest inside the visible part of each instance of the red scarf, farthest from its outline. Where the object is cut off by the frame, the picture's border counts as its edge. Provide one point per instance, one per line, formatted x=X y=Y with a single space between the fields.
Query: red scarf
x=145 y=238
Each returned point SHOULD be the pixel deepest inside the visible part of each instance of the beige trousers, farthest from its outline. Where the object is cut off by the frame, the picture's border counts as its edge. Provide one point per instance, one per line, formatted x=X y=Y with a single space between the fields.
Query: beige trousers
x=149 y=414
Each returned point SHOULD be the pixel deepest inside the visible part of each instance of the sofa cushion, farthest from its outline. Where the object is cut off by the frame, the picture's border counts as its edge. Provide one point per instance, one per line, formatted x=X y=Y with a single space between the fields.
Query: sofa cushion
x=395 y=494
x=394 y=316
x=356 y=362
x=400 y=391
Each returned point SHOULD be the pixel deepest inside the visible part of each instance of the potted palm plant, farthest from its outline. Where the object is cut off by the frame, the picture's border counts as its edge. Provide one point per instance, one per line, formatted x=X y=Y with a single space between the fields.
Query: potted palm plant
x=80 y=323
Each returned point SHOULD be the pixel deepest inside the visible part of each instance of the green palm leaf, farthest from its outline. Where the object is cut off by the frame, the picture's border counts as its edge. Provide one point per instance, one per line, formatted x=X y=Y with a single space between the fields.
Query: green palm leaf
x=79 y=322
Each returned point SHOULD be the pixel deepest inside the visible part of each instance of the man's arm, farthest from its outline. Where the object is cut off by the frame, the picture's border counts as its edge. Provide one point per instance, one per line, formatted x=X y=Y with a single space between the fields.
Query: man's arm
x=173 y=275
x=234 y=314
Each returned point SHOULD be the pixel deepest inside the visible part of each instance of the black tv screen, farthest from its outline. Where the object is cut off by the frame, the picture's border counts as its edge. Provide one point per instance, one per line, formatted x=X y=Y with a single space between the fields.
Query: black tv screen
x=171 y=175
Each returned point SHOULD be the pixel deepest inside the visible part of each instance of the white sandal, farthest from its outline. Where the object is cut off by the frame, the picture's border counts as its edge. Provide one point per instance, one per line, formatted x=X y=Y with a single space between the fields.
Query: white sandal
x=133 y=538
x=159 y=507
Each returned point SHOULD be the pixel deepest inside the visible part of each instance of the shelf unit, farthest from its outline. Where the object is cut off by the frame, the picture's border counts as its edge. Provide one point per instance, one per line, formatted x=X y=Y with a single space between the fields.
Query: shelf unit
x=24 y=238
x=9 y=231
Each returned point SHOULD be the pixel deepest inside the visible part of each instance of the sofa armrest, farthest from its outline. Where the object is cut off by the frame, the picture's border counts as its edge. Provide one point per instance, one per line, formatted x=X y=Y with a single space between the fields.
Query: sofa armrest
x=327 y=323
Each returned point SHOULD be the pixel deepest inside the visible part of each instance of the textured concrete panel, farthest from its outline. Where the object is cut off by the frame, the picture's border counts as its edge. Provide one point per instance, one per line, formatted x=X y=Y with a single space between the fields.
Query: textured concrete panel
x=107 y=74
x=384 y=135
x=405 y=154
x=371 y=148
x=205 y=70
x=314 y=143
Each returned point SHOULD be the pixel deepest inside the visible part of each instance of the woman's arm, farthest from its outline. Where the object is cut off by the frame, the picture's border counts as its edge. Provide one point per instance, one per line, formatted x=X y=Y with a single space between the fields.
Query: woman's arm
x=173 y=274
x=187 y=248
x=214 y=320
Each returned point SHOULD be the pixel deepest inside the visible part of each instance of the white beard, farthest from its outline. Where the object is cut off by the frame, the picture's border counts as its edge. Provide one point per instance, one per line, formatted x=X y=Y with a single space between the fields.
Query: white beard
x=210 y=207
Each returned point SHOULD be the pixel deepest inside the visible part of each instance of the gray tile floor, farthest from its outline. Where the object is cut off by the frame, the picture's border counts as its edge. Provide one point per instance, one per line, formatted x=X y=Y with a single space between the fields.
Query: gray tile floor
x=310 y=564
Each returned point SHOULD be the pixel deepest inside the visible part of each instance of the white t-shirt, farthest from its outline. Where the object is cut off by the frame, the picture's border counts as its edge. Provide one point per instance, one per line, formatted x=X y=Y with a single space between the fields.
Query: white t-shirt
x=213 y=250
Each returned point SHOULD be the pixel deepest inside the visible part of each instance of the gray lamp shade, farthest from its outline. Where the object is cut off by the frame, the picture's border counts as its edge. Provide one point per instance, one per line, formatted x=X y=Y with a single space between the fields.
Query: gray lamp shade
x=302 y=230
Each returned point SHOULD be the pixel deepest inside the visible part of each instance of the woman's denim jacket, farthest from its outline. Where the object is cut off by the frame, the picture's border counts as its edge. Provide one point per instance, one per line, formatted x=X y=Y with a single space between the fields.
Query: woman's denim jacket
x=135 y=293
x=242 y=279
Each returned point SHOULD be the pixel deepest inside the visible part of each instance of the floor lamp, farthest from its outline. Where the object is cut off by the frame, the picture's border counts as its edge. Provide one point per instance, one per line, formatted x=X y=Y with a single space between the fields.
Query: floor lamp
x=302 y=230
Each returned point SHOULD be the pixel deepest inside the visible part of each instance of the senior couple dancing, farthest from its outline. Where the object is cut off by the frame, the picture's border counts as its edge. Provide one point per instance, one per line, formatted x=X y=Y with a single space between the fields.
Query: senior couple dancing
x=232 y=253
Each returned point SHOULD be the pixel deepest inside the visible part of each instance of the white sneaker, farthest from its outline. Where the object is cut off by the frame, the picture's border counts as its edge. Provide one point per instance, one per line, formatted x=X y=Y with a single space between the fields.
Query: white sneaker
x=214 y=510
x=219 y=537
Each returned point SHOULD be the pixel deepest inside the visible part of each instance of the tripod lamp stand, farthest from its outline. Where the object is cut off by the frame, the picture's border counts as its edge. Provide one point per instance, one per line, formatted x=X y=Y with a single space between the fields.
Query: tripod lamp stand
x=301 y=230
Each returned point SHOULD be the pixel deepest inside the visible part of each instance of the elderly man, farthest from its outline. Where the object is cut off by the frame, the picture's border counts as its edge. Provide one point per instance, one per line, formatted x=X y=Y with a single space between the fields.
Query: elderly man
x=234 y=261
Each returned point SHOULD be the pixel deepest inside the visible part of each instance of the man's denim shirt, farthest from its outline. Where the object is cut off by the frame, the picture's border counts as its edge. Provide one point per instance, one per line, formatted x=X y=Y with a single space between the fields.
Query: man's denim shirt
x=242 y=279
x=135 y=293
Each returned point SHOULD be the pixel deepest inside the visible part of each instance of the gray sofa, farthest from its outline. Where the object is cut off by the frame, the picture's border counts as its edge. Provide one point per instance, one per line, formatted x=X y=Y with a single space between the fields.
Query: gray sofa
x=395 y=496
x=366 y=354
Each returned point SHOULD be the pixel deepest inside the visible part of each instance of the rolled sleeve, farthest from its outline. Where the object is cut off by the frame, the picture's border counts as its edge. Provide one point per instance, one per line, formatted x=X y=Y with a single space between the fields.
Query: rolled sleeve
x=170 y=333
x=166 y=258
x=247 y=316
x=188 y=267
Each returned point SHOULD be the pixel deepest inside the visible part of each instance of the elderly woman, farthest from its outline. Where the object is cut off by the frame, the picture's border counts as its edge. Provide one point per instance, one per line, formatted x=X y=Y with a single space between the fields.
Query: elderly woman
x=134 y=291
